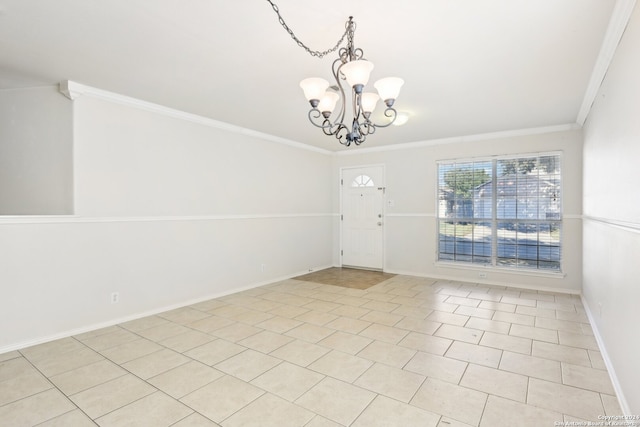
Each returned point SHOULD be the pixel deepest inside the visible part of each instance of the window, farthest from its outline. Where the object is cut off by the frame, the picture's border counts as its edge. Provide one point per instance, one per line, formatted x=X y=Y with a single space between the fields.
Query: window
x=503 y=212
x=362 y=181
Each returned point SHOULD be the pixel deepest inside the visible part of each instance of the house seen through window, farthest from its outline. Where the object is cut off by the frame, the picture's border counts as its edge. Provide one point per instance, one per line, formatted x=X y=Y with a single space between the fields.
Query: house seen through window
x=503 y=212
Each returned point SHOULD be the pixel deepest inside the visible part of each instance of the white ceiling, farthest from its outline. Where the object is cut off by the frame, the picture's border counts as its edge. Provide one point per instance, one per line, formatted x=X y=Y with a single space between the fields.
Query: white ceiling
x=470 y=66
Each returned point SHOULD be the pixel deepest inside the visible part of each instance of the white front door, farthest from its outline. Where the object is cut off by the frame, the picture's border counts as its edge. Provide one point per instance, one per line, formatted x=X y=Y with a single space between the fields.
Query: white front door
x=363 y=217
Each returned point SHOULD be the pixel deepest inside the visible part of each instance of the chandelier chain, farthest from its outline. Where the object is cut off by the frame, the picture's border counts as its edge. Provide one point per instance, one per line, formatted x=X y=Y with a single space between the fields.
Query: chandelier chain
x=311 y=52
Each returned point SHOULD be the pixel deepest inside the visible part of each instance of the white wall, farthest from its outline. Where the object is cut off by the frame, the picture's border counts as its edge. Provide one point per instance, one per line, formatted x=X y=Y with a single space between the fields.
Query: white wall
x=36 y=152
x=612 y=215
x=168 y=211
x=410 y=225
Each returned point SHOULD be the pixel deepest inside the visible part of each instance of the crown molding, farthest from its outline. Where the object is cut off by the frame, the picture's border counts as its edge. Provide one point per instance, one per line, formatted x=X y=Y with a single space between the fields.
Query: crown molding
x=466 y=138
x=617 y=24
x=73 y=91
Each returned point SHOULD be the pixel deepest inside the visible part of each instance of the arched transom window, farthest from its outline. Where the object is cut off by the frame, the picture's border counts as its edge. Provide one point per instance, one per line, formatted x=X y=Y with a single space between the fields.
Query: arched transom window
x=362 y=181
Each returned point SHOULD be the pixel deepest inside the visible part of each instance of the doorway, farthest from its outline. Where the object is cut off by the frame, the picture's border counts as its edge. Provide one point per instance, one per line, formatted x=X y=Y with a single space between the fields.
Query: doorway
x=362 y=217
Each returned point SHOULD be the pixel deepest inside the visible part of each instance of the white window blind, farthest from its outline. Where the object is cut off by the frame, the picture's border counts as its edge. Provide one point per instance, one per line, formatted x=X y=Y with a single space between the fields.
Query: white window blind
x=504 y=212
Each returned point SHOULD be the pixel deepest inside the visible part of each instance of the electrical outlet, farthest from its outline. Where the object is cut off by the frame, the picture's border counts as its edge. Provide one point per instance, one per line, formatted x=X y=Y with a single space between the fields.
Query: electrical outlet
x=482 y=275
x=115 y=297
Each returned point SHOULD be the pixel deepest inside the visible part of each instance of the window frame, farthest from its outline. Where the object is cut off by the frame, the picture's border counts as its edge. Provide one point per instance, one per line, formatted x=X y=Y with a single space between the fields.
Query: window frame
x=494 y=258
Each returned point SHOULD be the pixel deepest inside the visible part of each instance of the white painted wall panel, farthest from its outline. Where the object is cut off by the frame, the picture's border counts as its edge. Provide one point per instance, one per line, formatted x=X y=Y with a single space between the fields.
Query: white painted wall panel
x=134 y=162
x=58 y=276
x=36 y=152
x=168 y=212
x=612 y=214
x=410 y=229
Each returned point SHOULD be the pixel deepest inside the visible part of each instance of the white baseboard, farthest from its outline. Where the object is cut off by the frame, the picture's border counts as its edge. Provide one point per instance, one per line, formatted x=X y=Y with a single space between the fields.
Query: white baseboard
x=607 y=360
x=41 y=340
x=112 y=322
x=487 y=282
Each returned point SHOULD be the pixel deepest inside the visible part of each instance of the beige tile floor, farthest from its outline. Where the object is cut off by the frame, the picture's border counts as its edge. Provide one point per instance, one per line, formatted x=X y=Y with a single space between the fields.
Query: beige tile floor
x=406 y=352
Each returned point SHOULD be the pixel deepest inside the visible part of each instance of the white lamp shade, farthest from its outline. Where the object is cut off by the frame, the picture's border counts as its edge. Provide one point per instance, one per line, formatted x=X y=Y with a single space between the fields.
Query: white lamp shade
x=314 y=88
x=369 y=101
x=389 y=87
x=328 y=102
x=357 y=72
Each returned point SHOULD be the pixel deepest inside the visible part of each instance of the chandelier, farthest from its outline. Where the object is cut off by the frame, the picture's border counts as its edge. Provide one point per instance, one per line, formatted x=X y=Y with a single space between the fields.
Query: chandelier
x=351 y=74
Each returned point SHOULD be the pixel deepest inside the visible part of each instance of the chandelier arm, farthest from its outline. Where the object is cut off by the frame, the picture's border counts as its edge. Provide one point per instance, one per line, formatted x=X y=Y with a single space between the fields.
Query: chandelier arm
x=392 y=114
x=334 y=129
x=311 y=52
x=357 y=54
x=327 y=131
x=355 y=106
x=343 y=137
x=359 y=131
x=336 y=75
x=367 y=128
x=314 y=113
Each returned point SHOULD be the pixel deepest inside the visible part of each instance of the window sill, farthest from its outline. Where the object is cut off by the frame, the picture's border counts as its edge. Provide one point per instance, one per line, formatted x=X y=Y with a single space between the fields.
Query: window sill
x=501 y=270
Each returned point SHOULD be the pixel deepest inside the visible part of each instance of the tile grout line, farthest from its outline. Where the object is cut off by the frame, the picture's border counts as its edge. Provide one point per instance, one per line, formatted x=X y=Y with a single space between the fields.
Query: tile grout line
x=390 y=291
x=54 y=386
